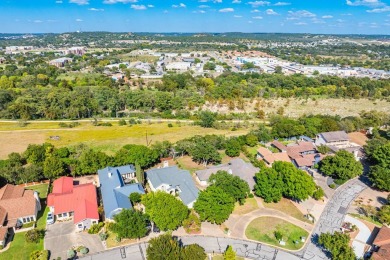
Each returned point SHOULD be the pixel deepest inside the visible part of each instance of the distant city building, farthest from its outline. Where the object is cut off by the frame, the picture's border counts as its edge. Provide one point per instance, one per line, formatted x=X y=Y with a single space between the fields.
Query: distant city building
x=76 y=51
x=60 y=62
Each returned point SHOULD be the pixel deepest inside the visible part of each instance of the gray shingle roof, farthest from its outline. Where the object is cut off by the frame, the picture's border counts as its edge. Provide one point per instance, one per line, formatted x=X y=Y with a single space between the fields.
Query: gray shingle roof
x=335 y=136
x=175 y=177
x=246 y=171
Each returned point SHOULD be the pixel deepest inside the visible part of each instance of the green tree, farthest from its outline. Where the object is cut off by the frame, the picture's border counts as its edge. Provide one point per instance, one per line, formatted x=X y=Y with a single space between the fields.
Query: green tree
x=384 y=214
x=233 y=147
x=214 y=205
x=133 y=154
x=53 y=167
x=193 y=252
x=251 y=140
x=229 y=253
x=207 y=119
x=338 y=245
x=381 y=155
x=232 y=185
x=165 y=210
x=342 y=166
x=163 y=247
x=139 y=173
x=135 y=197
x=129 y=223
x=269 y=185
x=380 y=177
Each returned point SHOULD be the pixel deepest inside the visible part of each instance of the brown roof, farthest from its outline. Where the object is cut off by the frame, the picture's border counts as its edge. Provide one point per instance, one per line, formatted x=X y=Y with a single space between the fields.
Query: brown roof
x=279 y=145
x=3 y=214
x=382 y=254
x=383 y=237
x=301 y=147
x=17 y=201
x=270 y=157
x=306 y=160
x=3 y=233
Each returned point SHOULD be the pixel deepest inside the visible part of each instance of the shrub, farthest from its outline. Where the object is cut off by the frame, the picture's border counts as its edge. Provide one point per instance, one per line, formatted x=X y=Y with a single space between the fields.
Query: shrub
x=278 y=235
x=132 y=121
x=39 y=255
x=332 y=186
x=103 y=236
x=95 y=228
x=170 y=125
x=122 y=122
x=71 y=253
x=318 y=194
x=34 y=235
x=105 y=124
x=84 y=250
x=251 y=195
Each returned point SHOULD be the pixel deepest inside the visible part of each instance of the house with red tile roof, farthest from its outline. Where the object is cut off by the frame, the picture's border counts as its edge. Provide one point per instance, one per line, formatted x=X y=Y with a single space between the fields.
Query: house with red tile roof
x=269 y=157
x=17 y=207
x=74 y=202
x=382 y=244
x=303 y=154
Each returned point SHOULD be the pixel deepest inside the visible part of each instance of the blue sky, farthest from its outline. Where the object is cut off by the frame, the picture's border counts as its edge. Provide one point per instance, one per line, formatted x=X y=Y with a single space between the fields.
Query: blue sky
x=295 y=16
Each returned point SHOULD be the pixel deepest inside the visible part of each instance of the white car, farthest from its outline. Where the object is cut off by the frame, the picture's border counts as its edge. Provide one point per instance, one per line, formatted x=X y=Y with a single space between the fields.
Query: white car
x=50 y=218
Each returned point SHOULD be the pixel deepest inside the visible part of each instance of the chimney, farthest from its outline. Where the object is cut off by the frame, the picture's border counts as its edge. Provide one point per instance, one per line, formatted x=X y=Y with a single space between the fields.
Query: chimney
x=165 y=164
x=109 y=174
x=230 y=171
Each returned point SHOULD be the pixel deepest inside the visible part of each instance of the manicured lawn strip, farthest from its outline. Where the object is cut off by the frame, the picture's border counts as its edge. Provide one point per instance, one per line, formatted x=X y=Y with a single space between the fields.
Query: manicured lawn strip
x=111 y=240
x=371 y=220
x=220 y=257
x=41 y=189
x=262 y=229
x=249 y=206
x=286 y=206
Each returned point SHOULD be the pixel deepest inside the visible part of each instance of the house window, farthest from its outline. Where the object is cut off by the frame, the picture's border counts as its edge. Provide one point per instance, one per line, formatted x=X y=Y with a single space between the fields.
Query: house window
x=70 y=213
x=80 y=225
x=60 y=215
x=94 y=222
x=65 y=214
x=24 y=220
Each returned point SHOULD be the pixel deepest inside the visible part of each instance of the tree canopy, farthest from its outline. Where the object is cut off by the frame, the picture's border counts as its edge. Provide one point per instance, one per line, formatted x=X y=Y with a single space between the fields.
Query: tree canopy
x=232 y=185
x=342 y=166
x=338 y=245
x=165 y=210
x=129 y=223
x=214 y=205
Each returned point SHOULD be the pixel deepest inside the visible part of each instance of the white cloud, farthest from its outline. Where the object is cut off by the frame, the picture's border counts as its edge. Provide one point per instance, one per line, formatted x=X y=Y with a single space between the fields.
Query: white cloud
x=79 y=2
x=110 y=2
x=301 y=23
x=370 y=3
x=236 y=2
x=271 y=12
x=38 y=21
x=301 y=13
x=96 y=9
x=237 y=16
x=250 y=22
x=79 y=20
x=226 y=10
x=199 y=12
x=59 y=2
x=259 y=3
x=181 y=5
x=257 y=17
x=282 y=4
x=317 y=21
x=138 y=7
x=327 y=17
x=380 y=10
x=255 y=11
x=151 y=6
x=203 y=6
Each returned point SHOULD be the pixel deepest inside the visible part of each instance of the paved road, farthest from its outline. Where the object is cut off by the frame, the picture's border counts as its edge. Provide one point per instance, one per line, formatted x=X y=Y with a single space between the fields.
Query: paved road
x=333 y=216
x=330 y=220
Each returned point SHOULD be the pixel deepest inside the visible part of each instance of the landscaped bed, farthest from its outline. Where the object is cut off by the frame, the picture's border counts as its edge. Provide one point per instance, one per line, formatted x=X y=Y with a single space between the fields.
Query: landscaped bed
x=264 y=229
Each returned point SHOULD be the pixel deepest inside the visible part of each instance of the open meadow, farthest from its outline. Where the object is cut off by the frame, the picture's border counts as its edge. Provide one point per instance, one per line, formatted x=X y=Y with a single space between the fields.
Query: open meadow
x=15 y=138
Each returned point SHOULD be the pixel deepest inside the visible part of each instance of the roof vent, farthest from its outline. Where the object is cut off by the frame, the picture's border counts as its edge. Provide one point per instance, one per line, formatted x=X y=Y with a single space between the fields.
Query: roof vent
x=109 y=174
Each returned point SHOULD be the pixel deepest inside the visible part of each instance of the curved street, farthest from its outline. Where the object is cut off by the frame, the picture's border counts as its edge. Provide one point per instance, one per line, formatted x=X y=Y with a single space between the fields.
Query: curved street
x=331 y=220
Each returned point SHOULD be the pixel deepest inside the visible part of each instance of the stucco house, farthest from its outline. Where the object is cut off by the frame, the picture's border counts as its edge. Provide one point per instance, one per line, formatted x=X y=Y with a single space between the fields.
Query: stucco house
x=339 y=140
x=76 y=202
x=17 y=207
x=114 y=189
x=174 y=181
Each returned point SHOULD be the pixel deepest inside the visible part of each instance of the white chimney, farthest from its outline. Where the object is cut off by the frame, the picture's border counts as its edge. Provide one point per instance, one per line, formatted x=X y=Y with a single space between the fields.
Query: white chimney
x=109 y=174
x=165 y=164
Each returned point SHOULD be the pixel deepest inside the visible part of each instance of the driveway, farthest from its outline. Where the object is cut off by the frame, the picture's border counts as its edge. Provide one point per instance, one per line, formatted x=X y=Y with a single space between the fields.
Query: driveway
x=61 y=236
x=359 y=243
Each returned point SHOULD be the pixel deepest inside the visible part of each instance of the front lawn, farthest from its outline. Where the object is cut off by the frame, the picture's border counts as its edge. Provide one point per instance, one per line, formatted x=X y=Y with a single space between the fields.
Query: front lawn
x=220 y=257
x=41 y=189
x=263 y=230
x=287 y=207
x=249 y=206
x=19 y=248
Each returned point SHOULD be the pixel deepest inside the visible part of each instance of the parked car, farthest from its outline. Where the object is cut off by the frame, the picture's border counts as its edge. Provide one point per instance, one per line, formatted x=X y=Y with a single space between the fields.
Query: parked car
x=50 y=218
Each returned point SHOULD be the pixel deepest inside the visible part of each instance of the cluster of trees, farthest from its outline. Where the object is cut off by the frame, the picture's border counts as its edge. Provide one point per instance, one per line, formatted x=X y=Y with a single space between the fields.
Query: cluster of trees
x=166 y=247
x=284 y=180
x=342 y=166
x=337 y=245
x=216 y=202
x=378 y=153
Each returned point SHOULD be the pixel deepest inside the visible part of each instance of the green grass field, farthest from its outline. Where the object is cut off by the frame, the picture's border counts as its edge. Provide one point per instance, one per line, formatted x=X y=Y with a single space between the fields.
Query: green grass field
x=262 y=229
x=286 y=206
x=15 y=138
x=41 y=189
